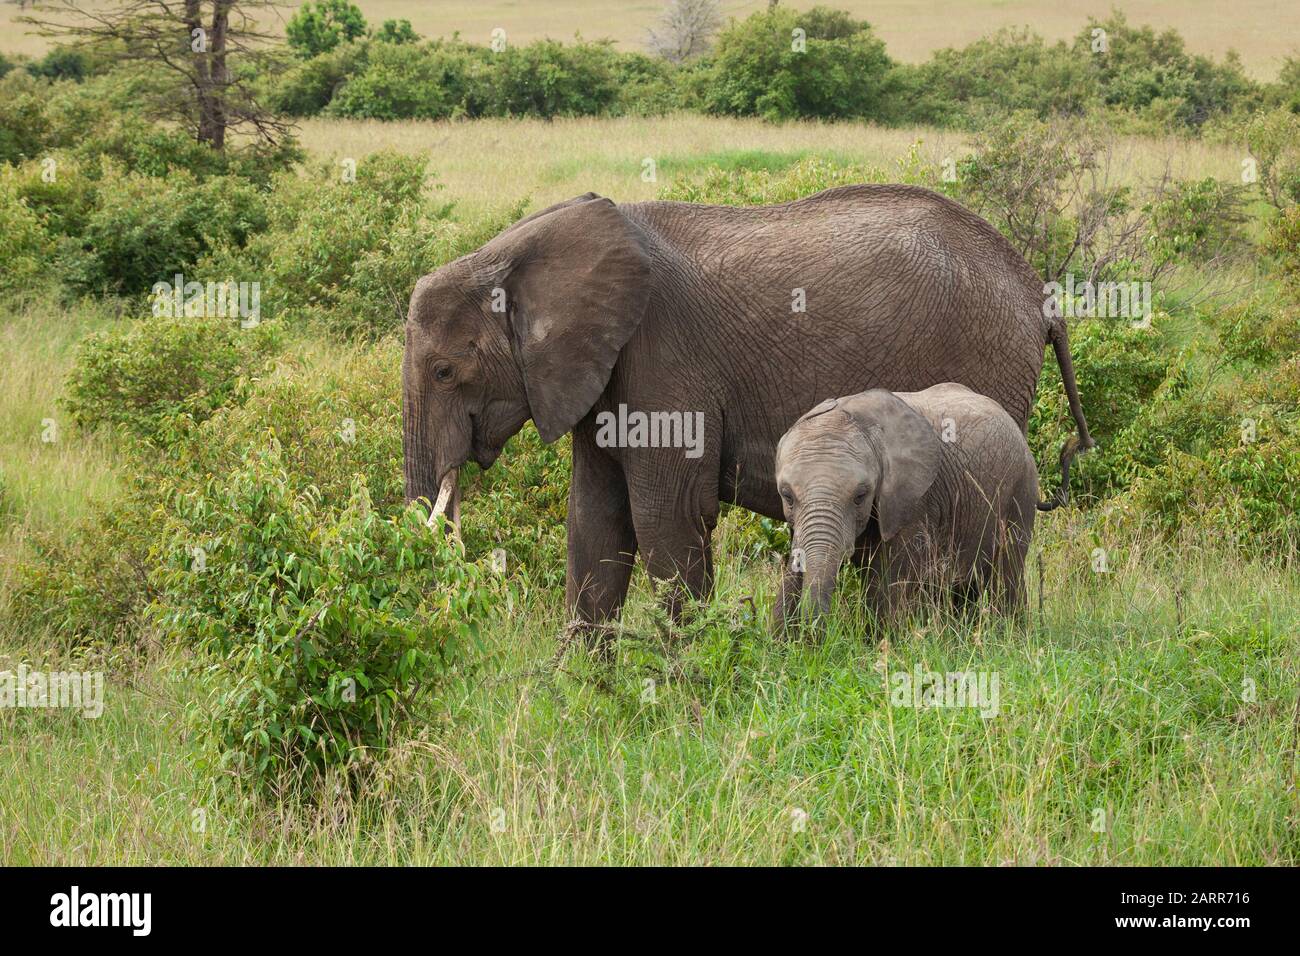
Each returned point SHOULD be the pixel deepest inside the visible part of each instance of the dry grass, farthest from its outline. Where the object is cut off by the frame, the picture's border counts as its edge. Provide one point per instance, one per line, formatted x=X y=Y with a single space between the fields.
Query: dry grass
x=1260 y=30
x=490 y=163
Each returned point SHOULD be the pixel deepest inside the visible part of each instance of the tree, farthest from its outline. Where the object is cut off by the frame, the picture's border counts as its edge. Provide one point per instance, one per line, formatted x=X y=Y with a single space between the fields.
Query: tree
x=319 y=27
x=396 y=31
x=685 y=29
x=207 y=51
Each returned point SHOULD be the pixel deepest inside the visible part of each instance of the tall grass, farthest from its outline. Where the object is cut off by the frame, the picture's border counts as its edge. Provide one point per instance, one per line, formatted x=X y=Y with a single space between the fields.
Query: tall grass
x=1146 y=717
x=49 y=473
x=489 y=163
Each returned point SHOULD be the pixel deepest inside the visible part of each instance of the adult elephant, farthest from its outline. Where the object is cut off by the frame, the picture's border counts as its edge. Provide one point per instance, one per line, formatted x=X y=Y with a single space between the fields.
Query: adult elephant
x=747 y=316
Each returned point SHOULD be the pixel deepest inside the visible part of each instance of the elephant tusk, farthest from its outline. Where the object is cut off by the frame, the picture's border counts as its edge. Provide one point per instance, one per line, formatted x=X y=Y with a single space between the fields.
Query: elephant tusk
x=447 y=495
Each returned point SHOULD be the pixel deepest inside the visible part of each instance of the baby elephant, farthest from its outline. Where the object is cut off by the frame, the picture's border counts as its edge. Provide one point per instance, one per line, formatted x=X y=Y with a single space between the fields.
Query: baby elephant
x=931 y=491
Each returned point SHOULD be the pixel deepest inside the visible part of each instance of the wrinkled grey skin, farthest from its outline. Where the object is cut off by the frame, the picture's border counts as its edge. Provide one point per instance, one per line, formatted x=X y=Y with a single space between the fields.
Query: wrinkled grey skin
x=932 y=491
x=682 y=307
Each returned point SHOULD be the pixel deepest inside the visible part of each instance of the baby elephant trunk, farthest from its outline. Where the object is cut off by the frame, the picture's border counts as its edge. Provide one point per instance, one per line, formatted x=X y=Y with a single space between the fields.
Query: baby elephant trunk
x=823 y=542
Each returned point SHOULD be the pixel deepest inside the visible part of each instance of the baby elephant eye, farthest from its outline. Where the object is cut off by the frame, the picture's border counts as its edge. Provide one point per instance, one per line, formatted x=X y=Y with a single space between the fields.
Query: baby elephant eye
x=860 y=497
x=789 y=498
x=442 y=373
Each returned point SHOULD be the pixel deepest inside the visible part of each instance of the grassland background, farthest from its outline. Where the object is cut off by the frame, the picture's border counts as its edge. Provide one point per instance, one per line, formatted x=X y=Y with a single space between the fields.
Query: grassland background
x=1124 y=697
x=911 y=29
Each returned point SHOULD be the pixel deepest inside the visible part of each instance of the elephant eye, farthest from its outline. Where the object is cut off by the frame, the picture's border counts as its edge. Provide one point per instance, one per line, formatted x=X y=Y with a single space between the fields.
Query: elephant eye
x=787 y=495
x=442 y=373
x=860 y=497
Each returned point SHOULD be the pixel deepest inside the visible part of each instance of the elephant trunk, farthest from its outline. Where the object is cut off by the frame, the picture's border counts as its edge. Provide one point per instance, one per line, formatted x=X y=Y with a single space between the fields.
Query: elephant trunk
x=424 y=473
x=824 y=541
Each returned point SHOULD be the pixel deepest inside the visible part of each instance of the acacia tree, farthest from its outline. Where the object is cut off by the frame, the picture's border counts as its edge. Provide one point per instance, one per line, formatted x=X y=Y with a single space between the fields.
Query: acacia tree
x=209 y=49
x=685 y=29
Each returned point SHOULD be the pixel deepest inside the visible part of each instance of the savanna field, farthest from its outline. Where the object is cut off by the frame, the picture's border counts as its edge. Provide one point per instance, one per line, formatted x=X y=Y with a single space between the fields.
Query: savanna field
x=297 y=670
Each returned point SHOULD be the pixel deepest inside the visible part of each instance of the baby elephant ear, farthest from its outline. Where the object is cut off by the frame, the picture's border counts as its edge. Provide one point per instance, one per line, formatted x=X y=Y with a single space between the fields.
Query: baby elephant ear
x=909 y=452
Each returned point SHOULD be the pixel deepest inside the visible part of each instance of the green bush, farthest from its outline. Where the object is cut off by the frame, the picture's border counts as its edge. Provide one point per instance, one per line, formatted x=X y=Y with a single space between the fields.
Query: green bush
x=26 y=249
x=1273 y=139
x=1259 y=332
x=1284 y=241
x=319 y=27
x=142 y=375
x=1048 y=186
x=146 y=229
x=1007 y=72
x=89 y=584
x=1119 y=368
x=348 y=253
x=1197 y=221
x=24 y=127
x=309 y=86
x=548 y=79
x=1143 y=71
x=757 y=71
x=59 y=188
x=333 y=422
x=405 y=81
x=396 y=31
x=326 y=630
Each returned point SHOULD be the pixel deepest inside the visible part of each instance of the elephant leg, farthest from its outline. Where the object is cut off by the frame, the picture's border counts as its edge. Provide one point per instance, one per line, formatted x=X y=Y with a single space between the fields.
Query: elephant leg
x=602 y=542
x=1009 y=583
x=680 y=552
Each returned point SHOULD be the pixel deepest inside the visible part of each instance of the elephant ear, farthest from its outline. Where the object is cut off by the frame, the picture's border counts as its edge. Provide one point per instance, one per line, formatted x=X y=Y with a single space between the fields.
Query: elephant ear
x=577 y=279
x=909 y=452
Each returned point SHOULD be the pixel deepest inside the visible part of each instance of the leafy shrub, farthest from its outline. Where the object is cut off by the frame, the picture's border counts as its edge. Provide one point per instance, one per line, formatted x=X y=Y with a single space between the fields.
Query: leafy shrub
x=319 y=27
x=1051 y=189
x=396 y=31
x=326 y=630
x=63 y=63
x=1273 y=139
x=334 y=421
x=1140 y=70
x=23 y=124
x=647 y=86
x=404 y=81
x=25 y=247
x=759 y=187
x=1284 y=241
x=309 y=86
x=1119 y=368
x=1196 y=221
x=89 y=584
x=139 y=377
x=548 y=79
x=145 y=229
x=348 y=253
x=519 y=506
x=1259 y=332
x=1007 y=72
x=1243 y=489
x=58 y=188
x=756 y=71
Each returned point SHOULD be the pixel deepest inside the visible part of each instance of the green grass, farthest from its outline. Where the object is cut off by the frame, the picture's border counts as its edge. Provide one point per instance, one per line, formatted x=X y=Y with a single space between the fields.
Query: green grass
x=1147 y=715
x=1127 y=697
x=49 y=474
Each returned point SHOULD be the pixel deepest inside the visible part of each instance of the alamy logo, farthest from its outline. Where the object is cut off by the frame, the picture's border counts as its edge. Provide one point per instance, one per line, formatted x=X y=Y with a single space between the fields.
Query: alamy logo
x=73 y=690
x=1097 y=300
x=638 y=429
x=918 y=688
x=103 y=909
x=215 y=300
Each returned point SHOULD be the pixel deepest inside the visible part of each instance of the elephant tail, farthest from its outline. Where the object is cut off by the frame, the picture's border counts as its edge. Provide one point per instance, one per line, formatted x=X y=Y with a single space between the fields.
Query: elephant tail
x=1075 y=444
